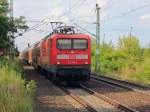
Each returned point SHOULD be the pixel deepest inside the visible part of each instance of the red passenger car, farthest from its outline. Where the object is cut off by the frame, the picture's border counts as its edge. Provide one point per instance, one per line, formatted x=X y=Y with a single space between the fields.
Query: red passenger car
x=30 y=55
x=64 y=56
x=27 y=55
x=24 y=55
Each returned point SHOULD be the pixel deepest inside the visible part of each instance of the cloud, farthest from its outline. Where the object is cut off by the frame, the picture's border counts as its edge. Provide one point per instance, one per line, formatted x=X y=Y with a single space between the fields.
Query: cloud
x=102 y=3
x=82 y=12
x=56 y=12
x=145 y=17
x=87 y=11
x=65 y=19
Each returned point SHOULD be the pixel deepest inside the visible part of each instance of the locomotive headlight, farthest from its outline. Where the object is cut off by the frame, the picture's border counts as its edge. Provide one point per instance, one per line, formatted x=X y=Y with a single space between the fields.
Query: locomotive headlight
x=58 y=62
x=62 y=56
x=86 y=62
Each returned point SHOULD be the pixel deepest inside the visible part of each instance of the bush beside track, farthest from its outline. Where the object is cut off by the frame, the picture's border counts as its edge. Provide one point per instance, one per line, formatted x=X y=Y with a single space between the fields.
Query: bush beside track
x=127 y=61
x=14 y=96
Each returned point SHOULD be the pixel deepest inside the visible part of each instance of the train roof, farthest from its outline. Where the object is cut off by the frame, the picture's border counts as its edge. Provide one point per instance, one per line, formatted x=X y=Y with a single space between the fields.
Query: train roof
x=70 y=36
x=67 y=36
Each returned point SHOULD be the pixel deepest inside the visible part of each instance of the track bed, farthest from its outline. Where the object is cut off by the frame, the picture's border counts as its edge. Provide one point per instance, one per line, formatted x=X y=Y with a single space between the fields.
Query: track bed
x=49 y=98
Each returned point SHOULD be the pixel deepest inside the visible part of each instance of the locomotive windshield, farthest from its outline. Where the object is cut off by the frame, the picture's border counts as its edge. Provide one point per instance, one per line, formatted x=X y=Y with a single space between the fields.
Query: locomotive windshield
x=64 y=43
x=72 y=44
x=79 y=43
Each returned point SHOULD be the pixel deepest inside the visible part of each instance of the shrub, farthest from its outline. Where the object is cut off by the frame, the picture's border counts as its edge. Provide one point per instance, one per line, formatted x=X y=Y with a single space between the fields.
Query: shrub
x=127 y=60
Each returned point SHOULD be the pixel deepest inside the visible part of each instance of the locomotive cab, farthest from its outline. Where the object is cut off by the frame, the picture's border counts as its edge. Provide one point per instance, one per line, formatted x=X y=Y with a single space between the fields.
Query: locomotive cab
x=72 y=57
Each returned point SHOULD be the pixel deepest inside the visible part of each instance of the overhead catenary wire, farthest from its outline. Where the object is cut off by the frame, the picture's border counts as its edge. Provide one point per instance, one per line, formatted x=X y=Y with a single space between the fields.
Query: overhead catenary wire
x=34 y=28
x=123 y=14
x=42 y=22
x=32 y=21
x=128 y=12
x=76 y=6
x=120 y=15
x=80 y=4
x=84 y=29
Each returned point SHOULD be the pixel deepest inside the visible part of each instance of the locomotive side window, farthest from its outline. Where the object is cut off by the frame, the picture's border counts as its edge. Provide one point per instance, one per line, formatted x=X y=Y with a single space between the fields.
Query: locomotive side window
x=80 y=44
x=64 y=44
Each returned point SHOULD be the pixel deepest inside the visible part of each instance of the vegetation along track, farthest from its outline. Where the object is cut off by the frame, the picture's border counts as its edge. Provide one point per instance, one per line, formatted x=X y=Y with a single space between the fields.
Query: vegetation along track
x=121 y=95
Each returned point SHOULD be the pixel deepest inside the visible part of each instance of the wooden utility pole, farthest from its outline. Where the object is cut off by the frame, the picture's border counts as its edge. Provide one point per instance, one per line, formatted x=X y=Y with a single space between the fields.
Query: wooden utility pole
x=97 y=57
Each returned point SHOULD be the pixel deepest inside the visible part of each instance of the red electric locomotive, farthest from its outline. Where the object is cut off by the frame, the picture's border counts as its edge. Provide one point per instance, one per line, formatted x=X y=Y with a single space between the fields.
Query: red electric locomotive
x=65 y=56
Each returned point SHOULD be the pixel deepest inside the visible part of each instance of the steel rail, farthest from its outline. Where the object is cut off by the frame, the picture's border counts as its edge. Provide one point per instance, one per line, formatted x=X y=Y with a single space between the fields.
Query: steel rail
x=79 y=100
x=109 y=100
x=122 y=84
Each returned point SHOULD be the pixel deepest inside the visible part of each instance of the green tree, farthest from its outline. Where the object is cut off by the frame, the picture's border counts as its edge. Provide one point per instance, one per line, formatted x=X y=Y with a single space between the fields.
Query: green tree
x=130 y=46
x=106 y=51
x=146 y=51
x=4 y=29
x=4 y=25
x=9 y=27
x=3 y=7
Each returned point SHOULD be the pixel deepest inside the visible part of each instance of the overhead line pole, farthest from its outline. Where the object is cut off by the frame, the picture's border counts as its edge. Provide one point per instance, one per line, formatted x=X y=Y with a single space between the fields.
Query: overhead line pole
x=131 y=28
x=11 y=52
x=97 y=56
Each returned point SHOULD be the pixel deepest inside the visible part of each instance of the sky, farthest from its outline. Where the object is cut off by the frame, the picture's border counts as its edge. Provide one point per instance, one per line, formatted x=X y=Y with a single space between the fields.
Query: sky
x=117 y=18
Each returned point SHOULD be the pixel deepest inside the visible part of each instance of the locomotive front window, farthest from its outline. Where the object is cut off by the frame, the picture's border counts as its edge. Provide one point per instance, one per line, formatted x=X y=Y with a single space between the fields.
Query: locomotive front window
x=80 y=44
x=72 y=44
x=64 y=44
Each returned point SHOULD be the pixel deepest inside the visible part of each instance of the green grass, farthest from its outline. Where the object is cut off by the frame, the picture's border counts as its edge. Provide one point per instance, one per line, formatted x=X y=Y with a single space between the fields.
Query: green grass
x=142 y=73
x=140 y=77
x=14 y=96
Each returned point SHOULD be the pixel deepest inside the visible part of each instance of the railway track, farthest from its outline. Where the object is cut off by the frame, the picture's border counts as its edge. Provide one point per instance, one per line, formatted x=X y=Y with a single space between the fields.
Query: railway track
x=93 y=106
x=123 y=84
x=110 y=101
x=49 y=98
x=79 y=100
x=95 y=100
x=122 y=96
x=91 y=101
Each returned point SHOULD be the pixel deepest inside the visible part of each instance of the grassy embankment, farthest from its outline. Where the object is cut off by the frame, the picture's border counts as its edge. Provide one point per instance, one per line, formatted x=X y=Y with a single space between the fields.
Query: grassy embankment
x=128 y=61
x=14 y=95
